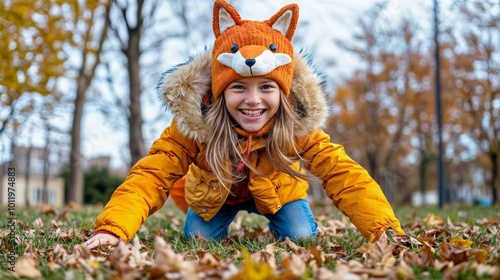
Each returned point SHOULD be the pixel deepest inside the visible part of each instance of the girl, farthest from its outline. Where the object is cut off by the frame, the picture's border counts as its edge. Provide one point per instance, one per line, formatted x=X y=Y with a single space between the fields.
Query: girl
x=246 y=112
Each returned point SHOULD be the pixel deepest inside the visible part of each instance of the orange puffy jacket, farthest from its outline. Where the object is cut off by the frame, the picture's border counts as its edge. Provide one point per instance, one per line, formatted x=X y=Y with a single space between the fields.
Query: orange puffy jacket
x=175 y=164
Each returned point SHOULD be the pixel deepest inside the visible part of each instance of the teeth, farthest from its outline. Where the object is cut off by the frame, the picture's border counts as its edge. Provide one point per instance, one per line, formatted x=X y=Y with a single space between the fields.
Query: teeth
x=252 y=113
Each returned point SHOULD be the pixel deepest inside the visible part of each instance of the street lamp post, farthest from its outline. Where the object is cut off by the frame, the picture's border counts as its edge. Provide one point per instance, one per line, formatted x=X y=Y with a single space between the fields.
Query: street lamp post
x=440 y=169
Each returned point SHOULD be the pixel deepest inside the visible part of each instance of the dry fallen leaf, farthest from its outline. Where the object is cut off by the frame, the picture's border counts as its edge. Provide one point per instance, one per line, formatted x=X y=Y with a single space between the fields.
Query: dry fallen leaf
x=493 y=272
x=453 y=271
x=302 y=252
x=293 y=266
x=405 y=269
x=452 y=253
x=342 y=272
x=266 y=256
x=168 y=262
x=380 y=253
x=411 y=258
x=47 y=209
x=480 y=256
x=122 y=262
x=75 y=206
x=432 y=220
x=426 y=255
x=406 y=240
x=26 y=266
x=38 y=223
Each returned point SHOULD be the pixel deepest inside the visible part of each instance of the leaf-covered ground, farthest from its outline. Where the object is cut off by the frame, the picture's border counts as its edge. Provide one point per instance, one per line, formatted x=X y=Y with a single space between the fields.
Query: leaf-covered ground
x=452 y=243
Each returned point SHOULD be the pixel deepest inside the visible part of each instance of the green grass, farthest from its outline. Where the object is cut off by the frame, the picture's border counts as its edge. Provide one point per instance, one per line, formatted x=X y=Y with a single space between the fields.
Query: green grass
x=38 y=234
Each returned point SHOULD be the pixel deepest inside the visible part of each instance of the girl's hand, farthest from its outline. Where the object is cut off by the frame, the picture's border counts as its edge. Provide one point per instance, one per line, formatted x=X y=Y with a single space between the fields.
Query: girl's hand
x=102 y=238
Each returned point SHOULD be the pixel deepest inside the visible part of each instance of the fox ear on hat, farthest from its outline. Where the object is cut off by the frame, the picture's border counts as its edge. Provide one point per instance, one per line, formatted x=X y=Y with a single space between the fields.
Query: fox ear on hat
x=224 y=17
x=285 y=20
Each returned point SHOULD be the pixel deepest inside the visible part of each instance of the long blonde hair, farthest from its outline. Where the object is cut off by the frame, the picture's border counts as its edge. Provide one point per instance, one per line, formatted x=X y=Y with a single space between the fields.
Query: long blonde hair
x=222 y=153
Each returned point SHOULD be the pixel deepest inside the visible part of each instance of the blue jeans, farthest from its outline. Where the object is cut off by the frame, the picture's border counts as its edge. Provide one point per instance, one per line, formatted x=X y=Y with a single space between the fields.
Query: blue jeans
x=293 y=220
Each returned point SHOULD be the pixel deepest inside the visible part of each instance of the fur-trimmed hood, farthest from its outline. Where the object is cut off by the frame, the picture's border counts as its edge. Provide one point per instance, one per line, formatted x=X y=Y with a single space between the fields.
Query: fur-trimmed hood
x=183 y=87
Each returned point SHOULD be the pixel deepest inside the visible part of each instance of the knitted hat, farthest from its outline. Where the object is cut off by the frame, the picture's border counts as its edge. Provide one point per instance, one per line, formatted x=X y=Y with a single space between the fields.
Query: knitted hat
x=247 y=48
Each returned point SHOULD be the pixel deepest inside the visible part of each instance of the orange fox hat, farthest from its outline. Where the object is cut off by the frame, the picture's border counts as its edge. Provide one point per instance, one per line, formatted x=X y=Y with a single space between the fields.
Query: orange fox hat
x=246 y=48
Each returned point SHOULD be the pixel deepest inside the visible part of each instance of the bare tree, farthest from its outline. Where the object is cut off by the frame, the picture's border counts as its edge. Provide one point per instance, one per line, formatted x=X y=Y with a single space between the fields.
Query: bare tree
x=140 y=30
x=130 y=47
x=90 y=59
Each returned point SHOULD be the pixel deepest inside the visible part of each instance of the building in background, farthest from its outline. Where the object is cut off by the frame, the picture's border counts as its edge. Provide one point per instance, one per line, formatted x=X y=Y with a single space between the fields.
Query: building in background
x=31 y=163
x=98 y=161
x=35 y=168
x=104 y=161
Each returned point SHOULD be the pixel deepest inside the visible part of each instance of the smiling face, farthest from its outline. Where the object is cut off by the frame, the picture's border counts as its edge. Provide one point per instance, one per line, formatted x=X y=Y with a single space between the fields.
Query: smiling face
x=252 y=102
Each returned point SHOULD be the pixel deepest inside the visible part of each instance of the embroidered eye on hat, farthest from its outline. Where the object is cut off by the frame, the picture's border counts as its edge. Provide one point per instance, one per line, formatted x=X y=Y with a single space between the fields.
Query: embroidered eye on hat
x=247 y=48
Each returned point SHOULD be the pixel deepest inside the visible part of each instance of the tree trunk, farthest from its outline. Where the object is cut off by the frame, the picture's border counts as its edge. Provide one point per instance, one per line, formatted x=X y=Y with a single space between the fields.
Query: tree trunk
x=133 y=53
x=75 y=189
x=86 y=74
x=494 y=176
x=27 y=176
x=423 y=176
x=136 y=140
x=46 y=170
x=372 y=167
